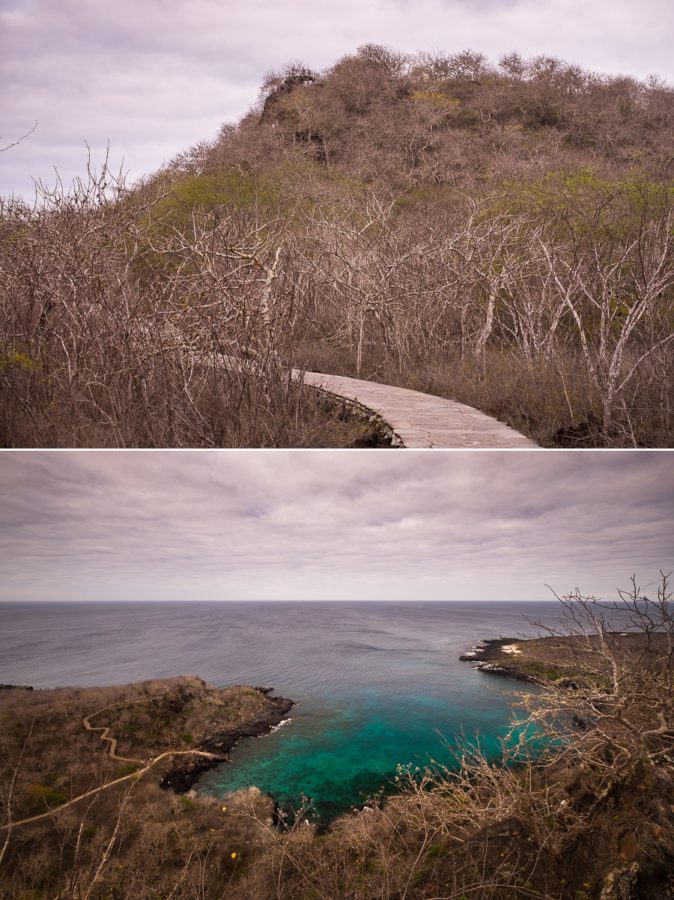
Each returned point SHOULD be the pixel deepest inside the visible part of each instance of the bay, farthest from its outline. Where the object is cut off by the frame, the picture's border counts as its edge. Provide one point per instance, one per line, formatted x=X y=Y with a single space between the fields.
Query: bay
x=376 y=685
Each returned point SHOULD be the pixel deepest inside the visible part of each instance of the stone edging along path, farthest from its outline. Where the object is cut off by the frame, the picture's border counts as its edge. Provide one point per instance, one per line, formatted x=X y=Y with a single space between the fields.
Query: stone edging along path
x=422 y=420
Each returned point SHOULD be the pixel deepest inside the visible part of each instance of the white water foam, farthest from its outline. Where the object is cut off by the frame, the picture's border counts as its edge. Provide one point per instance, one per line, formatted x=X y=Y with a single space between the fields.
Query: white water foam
x=280 y=725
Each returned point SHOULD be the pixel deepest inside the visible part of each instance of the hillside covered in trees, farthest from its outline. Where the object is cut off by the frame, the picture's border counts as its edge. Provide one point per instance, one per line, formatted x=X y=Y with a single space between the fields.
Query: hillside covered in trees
x=499 y=234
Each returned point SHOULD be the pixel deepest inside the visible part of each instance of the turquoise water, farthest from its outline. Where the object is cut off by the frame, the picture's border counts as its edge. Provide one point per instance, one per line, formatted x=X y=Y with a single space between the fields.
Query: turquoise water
x=376 y=684
x=396 y=694
x=339 y=757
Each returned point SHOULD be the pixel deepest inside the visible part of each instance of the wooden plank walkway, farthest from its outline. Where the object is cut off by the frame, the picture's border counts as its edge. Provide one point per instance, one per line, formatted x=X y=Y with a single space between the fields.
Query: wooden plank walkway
x=422 y=420
x=417 y=420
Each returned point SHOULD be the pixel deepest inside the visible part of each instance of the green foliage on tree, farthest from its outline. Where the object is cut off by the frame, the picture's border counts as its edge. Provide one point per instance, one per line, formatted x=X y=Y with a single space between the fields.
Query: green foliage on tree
x=581 y=203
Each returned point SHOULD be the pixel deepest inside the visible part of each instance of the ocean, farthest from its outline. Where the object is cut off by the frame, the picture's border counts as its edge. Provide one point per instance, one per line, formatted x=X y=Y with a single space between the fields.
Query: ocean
x=377 y=685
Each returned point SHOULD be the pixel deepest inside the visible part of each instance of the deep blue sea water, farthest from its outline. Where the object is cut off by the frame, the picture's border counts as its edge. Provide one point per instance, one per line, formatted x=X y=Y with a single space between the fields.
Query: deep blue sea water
x=376 y=684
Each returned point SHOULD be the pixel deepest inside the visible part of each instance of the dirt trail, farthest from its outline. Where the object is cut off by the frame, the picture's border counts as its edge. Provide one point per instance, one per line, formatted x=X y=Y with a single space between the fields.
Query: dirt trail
x=150 y=764
x=112 y=753
x=105 y=731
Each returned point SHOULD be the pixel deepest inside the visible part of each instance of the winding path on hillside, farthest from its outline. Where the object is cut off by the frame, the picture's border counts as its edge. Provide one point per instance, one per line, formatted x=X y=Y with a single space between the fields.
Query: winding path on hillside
x=105 y=731
x=422 y=420
x=111 y=752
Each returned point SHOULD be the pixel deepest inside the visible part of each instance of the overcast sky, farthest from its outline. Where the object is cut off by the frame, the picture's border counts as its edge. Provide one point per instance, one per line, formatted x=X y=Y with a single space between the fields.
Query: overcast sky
x=153 y=77
x=331 y=525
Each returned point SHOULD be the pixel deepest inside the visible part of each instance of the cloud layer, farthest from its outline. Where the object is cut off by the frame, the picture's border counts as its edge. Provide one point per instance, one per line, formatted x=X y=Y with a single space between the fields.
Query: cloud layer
x=153 y=77
x=330 y=525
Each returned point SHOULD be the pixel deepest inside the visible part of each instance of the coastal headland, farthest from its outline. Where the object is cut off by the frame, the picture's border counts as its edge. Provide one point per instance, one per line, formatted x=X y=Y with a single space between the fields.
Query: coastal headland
x=562 y=660
x=110 y=770
x=75 y=737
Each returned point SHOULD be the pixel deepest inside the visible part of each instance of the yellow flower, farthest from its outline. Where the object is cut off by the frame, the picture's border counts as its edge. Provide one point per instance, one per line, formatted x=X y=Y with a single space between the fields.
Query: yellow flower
x=233 y=855
x=224 y=809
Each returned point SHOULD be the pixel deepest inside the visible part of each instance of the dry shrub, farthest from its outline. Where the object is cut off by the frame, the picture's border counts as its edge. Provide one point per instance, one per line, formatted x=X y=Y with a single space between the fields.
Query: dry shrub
x=116 y=328
x=509 y=226
x=583 y=811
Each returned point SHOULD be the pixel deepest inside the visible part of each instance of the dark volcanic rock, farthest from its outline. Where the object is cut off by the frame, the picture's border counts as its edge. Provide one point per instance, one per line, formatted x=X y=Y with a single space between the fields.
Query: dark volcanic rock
x=300 y=78
x=185 y=775
x=586 y=434
x=506 y=671
x=489 y=658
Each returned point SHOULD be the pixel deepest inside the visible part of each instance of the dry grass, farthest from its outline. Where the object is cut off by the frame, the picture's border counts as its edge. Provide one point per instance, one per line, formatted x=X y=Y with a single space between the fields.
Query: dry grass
x=150 y=834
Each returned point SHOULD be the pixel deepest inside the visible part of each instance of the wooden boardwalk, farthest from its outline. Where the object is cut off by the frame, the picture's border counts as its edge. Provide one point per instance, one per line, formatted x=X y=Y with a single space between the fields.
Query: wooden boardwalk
x=417 y=420
x=422 y=420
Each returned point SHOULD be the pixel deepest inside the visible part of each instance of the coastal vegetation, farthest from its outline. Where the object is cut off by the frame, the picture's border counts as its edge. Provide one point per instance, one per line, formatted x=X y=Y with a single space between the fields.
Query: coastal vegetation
x=581 y=808
x=100 y=763
x=499 y=234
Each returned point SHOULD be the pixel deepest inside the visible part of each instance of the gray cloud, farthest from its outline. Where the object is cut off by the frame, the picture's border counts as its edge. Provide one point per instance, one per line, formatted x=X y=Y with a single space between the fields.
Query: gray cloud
x=153 y=77
x=330 y=525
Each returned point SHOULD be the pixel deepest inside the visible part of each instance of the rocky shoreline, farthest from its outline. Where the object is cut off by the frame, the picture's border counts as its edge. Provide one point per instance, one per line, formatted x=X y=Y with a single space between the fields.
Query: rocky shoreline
x=184 y=775
x=561 y=660
x=490 y=656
